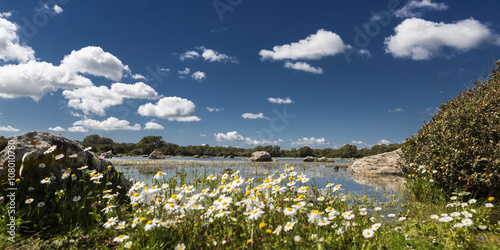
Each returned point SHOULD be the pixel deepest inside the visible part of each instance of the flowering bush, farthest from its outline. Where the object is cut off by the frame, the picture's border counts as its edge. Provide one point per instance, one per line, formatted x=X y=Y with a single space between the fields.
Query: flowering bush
x=460 y=146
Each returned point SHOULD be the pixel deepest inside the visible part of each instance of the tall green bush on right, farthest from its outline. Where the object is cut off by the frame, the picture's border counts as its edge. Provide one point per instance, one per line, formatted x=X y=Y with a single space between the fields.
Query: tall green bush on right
x=460 y=146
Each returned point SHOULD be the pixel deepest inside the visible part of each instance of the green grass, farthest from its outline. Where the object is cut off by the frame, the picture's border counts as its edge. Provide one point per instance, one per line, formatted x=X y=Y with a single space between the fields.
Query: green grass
x=177 y=213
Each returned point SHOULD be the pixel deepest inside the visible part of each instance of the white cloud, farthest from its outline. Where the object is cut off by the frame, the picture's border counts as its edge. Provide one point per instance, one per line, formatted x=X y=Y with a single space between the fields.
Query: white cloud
x=214 y=109
x=8 y=129
x=94 y=60
x=415 y=8
x=419 y=39
x=361 y=144
x=383 y=141
x=57 y=129
x=199 y=76
x=154 y=126
x=57 y=9
x=214 y=56
x=36 y=79
x=315 y=46
x=303 y=66
x=311 y=142
x=184 y=72
x=229 y=136
x=78 y=129
x=254 y=116
x=171 y=108
x=165 y=69
x=203 y=135
x=280 y=100
x=234 y=136
x=112 y=123
x=189 y=55
x=97 y=99
x=10 y=47
x=396 y=110
x=138 y=76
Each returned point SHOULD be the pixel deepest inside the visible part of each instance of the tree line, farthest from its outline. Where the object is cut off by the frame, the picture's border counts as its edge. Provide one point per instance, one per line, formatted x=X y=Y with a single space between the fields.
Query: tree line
x=150 y=143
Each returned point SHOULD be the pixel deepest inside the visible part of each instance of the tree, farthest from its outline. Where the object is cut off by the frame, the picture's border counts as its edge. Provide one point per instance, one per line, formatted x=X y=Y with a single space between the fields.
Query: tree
x=150 y=143
x=305 y=151
x=348 y=151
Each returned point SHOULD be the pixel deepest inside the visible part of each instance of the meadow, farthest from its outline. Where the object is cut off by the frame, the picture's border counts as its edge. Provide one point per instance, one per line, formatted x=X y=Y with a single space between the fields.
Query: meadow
x=279 y=209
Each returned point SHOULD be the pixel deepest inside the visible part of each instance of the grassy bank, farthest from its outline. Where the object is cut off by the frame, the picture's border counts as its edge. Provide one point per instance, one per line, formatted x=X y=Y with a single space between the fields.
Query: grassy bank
x=275 y=211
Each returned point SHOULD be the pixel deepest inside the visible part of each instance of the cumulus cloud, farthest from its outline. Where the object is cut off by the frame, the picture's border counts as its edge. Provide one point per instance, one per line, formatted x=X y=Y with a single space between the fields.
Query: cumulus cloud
x=209 y=55
x=8 y=129
x=383 y=142
x=280 y=100
x=171 y=108
x=57 y=129
x=36 y=79
x=214 y=109
x=96 y=100
x=57 y=9
x=154 y=126
x=419 y=39
x=184 y=72
x=214 y=56
x=138 y=76
x=316 y=46
x=199 y=76
x=311 y=142
x=254 y=116
x=234 y=136
x=10 y=47
x=203 y=135
x=415 y=8
x=95 y=61
x=32 y=78
x=303 y=66
x=189 y=55
x=112 y=123
x=78 y=129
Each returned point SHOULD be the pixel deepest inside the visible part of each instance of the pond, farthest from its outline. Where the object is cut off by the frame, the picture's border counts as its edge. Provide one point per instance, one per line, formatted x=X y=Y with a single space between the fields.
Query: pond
x=320 y=173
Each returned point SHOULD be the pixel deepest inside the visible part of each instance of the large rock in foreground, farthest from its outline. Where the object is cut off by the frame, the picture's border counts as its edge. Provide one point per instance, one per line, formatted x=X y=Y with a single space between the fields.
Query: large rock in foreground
x=381 y=164
x=55 y=151
x=261 y=156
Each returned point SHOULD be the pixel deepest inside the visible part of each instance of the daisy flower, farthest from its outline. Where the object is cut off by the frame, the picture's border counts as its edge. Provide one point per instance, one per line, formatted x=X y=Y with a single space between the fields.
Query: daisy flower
x=29 y=201
x=377 y=209
x=128 y=244
x=398 y=229
x=348 y=215
x=368 y=233
x=313 y=237
x=46 y=180
x=77 y=198
x=149 y=225
x=482 y=227
x=434 y=217
x=402 y=218
x=180 y=246
x=323 y=222
x=121 y=225
x=489 y=205
x=289 y=211
x=120 y=238
x=159 y=175
x=50 y=150
x=40 y=204
x=376 y=226
x=255 y=214
x=391 y=215
x=60 y=156
x=64 y=175
x=277 y=231
x=289 y=226
x=467 y=222
x=111 y=222
x=472 y=201
x=42 y=165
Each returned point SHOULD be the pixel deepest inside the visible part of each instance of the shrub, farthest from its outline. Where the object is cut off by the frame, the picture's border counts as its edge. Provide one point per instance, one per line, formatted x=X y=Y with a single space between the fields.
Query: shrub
x=461 y=142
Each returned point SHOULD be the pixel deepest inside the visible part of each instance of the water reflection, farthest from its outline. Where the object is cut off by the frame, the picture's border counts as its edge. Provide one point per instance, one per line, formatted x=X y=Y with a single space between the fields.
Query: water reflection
x=321 y=174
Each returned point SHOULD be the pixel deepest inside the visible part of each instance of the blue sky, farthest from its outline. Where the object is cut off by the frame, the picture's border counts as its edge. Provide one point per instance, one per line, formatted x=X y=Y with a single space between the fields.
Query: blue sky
x=239 y=73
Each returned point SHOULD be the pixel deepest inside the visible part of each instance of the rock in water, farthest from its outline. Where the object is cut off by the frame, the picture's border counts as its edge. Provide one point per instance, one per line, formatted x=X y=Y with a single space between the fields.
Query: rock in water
x=323 y=159
x=261 y=156
x=156 y=155
x=108 y=154
x=381 y=164
x=55 y=151
x=310 y=159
